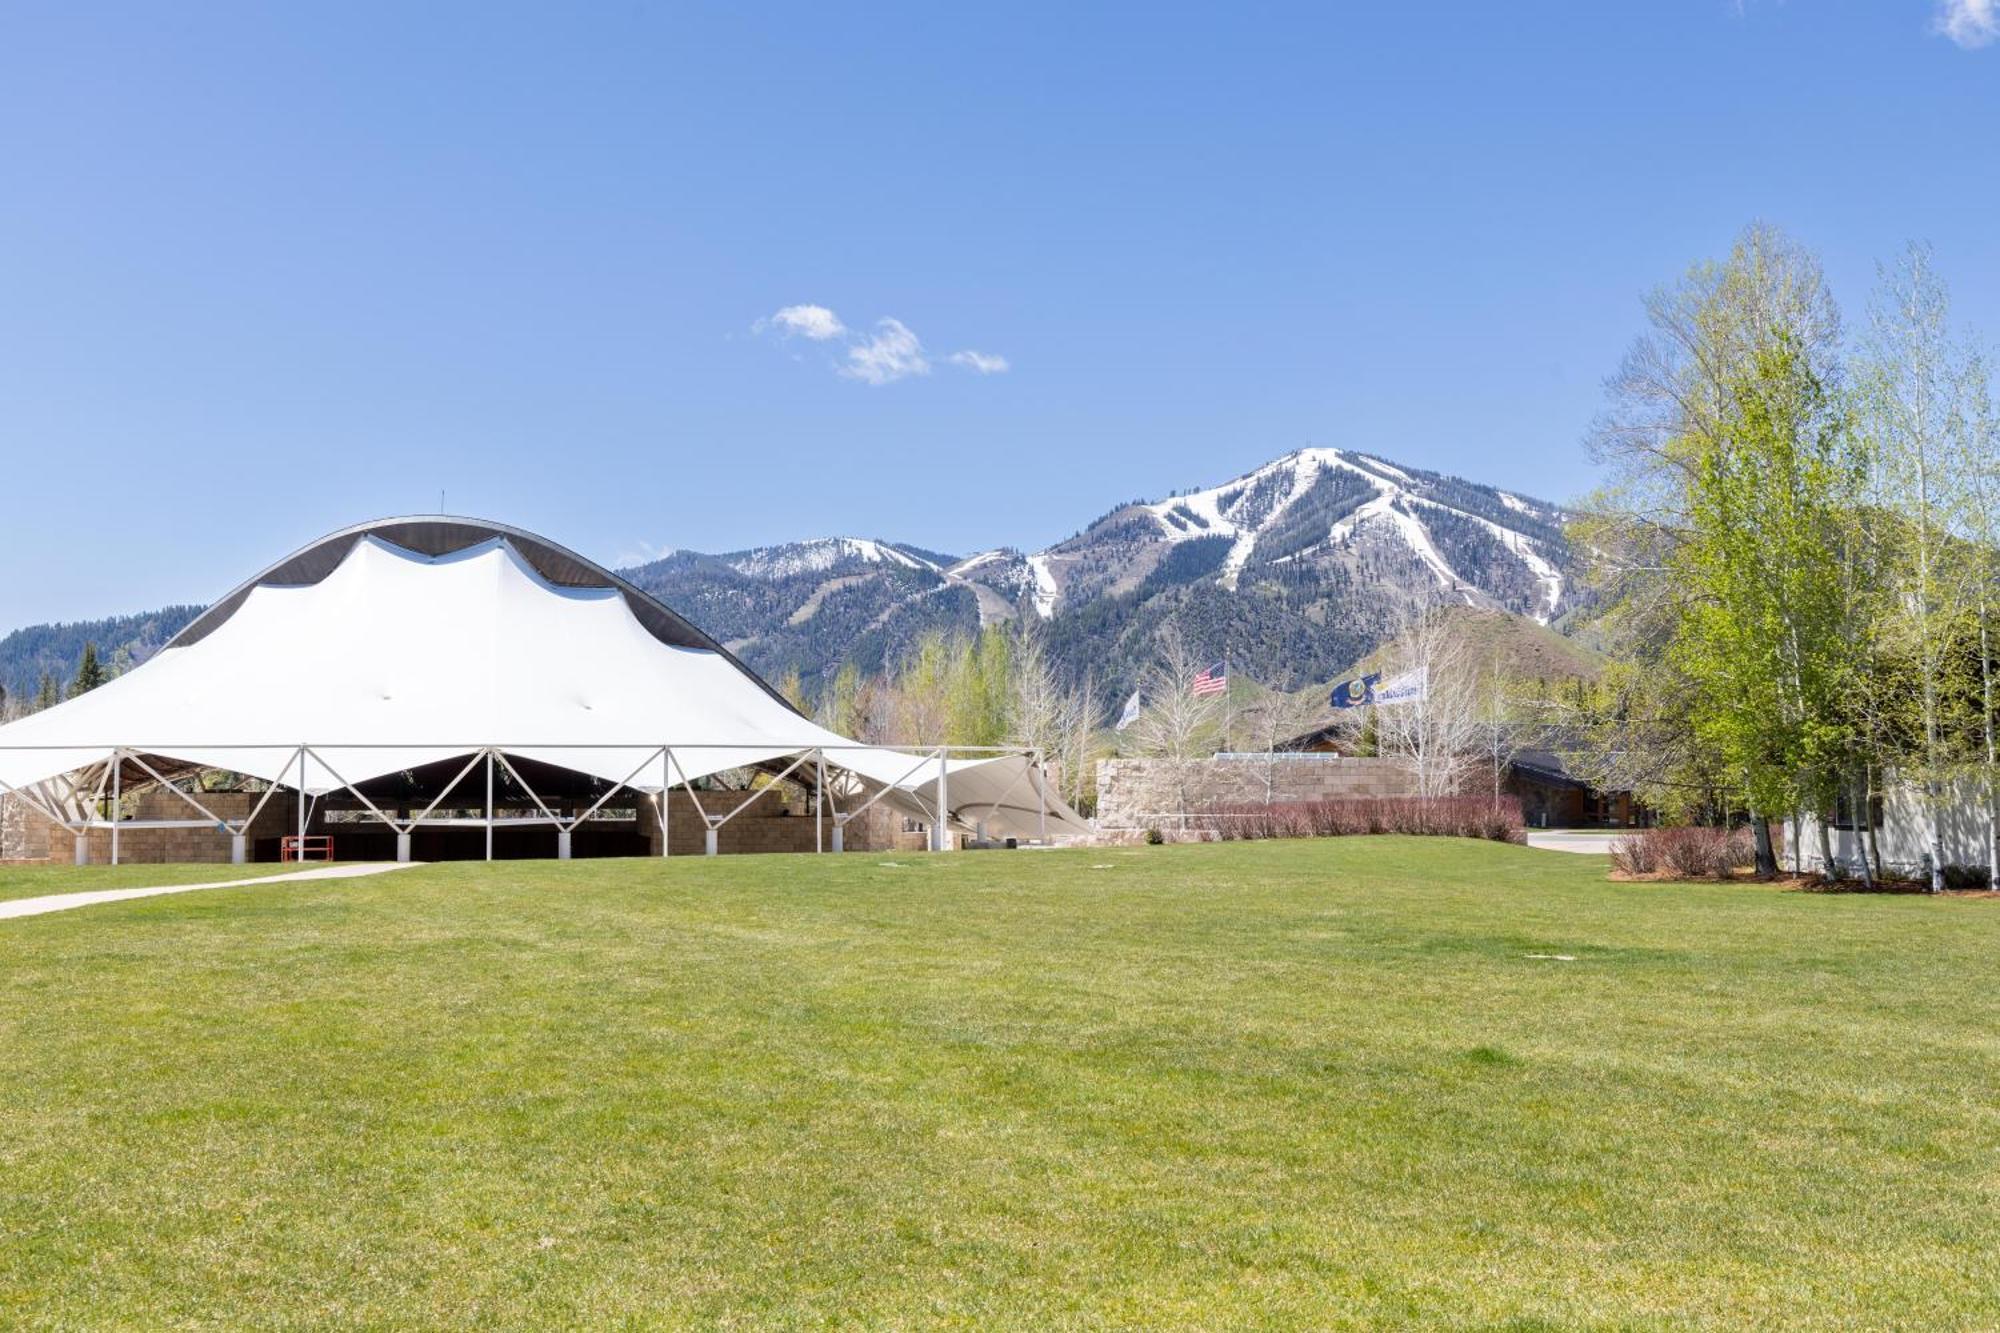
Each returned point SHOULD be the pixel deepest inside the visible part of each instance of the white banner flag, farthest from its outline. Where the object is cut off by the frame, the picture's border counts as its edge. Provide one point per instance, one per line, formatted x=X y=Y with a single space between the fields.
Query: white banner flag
x=1408 y=688
x=1130 y=715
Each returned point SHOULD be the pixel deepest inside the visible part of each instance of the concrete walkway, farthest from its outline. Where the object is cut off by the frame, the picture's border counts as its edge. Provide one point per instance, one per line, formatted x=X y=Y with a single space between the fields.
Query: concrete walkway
x=62 y=902
x=1573 y=840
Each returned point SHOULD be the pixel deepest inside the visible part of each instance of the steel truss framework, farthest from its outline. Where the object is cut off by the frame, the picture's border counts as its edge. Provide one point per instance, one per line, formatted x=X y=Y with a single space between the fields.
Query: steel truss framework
x=63 y=802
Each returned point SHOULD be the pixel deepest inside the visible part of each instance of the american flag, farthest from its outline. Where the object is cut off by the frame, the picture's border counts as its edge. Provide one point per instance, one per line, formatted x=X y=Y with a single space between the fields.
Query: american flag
x=1214 y=680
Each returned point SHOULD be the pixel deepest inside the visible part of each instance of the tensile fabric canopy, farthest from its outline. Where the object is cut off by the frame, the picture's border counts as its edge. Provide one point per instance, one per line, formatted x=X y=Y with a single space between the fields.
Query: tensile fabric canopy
x=391 y=658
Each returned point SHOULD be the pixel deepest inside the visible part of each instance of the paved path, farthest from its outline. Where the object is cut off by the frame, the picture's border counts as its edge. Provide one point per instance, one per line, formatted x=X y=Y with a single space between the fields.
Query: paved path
x=1572 y=840
x=62 y=902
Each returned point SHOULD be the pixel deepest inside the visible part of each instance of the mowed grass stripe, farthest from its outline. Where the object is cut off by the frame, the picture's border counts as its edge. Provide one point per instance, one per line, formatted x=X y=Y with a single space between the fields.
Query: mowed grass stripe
x=1281 y=1083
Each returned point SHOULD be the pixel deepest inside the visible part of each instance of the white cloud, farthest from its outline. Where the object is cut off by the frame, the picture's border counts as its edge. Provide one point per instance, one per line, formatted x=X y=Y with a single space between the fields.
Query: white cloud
x=984 y=363
x=1970 y=23
x=807 y=321
x=892 y=354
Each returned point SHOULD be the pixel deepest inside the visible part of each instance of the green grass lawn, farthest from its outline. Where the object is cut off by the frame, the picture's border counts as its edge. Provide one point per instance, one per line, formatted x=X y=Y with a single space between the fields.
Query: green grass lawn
x=1290 y=1084
x=32 y=881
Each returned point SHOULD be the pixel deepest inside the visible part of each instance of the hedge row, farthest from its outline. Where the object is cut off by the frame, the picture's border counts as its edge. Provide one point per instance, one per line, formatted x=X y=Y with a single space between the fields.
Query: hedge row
x=1440 y=817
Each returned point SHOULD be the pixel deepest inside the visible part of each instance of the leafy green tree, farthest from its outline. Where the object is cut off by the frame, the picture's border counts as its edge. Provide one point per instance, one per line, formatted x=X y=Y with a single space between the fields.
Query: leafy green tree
x=793 y=689
x=845 y=707
x=1763 y=634
x=1674 y=403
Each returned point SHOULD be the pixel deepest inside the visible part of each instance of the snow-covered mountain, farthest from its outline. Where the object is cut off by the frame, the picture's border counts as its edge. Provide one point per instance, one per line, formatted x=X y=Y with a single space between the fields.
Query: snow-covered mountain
x=1298 y=565
x=820 y=554
x=1293 y=571
x=1483 y=546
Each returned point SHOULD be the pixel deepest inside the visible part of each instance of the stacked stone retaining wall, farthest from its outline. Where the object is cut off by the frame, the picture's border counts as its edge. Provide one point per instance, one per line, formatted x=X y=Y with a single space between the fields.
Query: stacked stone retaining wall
x=1145 y=793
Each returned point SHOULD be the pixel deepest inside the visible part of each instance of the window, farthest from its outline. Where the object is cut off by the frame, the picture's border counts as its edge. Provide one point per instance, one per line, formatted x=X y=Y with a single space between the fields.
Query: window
x=1843 y=812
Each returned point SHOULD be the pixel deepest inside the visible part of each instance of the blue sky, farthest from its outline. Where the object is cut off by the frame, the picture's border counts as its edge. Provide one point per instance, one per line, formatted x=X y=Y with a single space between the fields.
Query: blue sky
x=269 y=270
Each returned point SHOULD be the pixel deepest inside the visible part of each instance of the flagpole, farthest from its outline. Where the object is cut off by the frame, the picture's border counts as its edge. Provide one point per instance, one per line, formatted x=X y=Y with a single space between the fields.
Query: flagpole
x=1228 y=707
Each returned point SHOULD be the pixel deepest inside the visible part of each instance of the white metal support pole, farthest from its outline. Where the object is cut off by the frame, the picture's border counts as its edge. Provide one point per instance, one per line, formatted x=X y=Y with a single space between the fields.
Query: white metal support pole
x=819 y=805
x=666 y=802
x=489 y=805
x=1042 y=798
x=117 y=772
x=937 y=825
x=299 y=849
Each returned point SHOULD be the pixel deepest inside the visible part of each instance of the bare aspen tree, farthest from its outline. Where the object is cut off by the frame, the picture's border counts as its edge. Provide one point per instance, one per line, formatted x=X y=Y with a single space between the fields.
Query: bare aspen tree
x=1505 y=718
x=1177 y=725
x=1079 y=746
x=1274 y=718
x=1041 y=705
x=1980 y=473
x=1436 y=737
x=1050 y=716
x=1919 y=397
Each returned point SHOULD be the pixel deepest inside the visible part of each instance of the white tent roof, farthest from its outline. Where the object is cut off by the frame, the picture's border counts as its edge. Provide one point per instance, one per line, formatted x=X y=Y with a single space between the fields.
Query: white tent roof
x=394 y=659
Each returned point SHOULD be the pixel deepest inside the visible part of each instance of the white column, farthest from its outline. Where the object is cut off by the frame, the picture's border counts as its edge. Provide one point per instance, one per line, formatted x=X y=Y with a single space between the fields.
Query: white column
x=666 y=802
x=402 y=846
x=819 y=805
x=562 y=844
x=117 y=772
x=299 y=851
x=1042 y=796
x=82 y=852
x=708 y=843
x=939 y=840
x=839 y=834
x=239 y=849
x=489 y=805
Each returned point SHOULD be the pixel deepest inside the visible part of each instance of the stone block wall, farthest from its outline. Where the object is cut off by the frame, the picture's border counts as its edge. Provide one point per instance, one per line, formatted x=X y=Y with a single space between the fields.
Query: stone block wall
x=26 y=835
x=1142 y=793
x=763 y=828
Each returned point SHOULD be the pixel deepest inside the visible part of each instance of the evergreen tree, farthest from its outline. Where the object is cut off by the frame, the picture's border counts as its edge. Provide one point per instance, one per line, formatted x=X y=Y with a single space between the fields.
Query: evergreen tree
x=47 y=695
x=89 y=673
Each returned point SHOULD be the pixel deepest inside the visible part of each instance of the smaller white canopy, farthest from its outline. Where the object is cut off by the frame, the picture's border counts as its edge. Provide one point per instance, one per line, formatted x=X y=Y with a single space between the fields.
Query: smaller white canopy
x=396 y=659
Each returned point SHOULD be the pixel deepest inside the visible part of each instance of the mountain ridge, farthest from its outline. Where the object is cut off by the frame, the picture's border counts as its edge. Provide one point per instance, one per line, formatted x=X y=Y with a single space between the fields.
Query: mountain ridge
x=1295 y=569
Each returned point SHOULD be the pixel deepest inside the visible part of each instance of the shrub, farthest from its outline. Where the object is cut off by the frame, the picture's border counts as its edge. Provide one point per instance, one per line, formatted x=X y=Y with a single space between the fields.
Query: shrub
x=1964 y=876
x=1444 y=817
x=1635 y=853
x=1684 y=852
x=1154 y=837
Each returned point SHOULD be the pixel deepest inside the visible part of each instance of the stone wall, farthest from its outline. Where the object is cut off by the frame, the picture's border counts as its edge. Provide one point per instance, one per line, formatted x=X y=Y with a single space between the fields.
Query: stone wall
x=762 y=828
x=23 y=834
x=26 y=835
x=1143 y=793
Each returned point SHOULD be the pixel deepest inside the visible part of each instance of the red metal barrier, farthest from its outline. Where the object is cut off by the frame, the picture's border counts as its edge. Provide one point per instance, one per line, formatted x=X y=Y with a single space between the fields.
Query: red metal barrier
x=309 y=847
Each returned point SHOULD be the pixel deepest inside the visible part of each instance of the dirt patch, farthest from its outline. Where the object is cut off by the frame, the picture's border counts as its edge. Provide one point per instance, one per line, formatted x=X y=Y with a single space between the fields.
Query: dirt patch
x=1802 y=884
